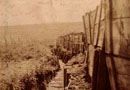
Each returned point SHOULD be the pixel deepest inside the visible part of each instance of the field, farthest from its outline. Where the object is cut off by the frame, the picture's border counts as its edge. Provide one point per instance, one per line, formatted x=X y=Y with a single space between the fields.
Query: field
x=26 y=60
x=28 y=67
x=47 y=33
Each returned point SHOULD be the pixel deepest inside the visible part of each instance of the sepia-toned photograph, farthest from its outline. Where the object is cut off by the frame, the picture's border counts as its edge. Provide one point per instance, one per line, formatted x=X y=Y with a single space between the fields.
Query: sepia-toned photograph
x=64 y=44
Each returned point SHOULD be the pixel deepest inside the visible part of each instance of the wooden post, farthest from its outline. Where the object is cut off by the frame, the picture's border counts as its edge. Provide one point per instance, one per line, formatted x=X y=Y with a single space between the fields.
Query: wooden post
x=84 y=22
x=94 y=23
x=65 y=78
x=108 y=24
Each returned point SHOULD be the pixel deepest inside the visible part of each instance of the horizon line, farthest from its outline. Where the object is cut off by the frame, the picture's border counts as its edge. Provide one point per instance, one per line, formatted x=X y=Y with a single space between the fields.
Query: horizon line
x=39 y=24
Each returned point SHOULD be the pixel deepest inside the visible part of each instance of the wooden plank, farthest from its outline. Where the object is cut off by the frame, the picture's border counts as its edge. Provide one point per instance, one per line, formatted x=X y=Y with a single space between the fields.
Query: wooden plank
x=96 y=34
x=122 y=71
x=97 y=24
x=117 y=38
x=120 y=8
x=91 y=51
x=101 y=26
x=95 y=70
x=120 y=38
x=92 y=23
x=111 y=72
x=122 y=67
x=87 y=22
x=102 y=10
x=100 y=77
x=65 y=78
x=92 y=17
x=102 y=73
x=101 y=34
x=84 y=23
x=71 y=37
x=80 y=37
x=108 y=30
x=98 y=16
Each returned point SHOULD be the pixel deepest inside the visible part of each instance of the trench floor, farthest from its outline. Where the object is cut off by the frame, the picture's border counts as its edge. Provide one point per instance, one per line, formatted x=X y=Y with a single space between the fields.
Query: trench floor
x=57 y=83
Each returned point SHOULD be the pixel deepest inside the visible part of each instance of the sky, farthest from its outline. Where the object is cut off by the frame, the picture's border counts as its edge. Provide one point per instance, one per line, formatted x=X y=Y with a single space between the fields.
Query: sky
x=22 y=12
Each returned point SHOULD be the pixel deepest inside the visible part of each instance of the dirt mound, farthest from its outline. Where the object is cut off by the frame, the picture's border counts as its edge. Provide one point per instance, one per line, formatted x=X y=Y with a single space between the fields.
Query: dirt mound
x=79 y=59
x=78 y=77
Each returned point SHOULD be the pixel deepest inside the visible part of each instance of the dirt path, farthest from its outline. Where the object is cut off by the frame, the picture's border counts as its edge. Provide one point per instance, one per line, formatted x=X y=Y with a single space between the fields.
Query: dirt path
x=57 y=83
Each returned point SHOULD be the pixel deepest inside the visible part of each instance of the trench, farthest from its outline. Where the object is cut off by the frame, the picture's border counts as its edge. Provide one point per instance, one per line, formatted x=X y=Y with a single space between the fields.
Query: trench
x=57 y=83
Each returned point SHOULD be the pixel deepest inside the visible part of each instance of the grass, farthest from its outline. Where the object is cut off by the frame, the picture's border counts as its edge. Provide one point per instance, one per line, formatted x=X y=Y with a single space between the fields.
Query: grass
x=26 y=67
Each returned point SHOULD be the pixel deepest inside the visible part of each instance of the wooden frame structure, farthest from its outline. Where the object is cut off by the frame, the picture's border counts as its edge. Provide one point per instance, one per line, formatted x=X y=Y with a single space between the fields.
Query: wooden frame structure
x=107 y=29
